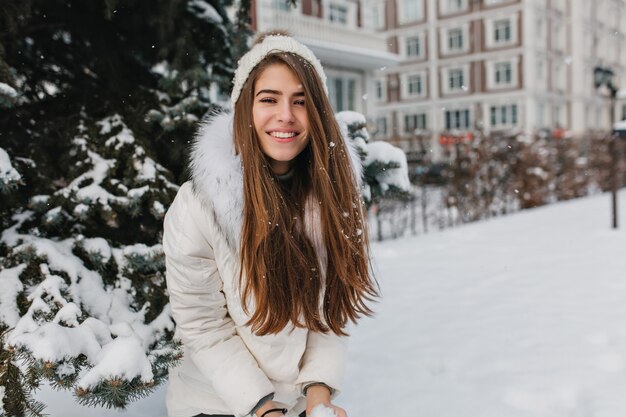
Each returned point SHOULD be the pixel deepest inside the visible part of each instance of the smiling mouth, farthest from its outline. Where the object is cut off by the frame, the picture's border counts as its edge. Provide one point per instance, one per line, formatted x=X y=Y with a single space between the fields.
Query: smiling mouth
x=283 y=135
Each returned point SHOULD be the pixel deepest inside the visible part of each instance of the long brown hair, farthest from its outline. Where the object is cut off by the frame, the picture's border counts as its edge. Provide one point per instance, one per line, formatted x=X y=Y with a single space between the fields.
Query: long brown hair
x=280 y=264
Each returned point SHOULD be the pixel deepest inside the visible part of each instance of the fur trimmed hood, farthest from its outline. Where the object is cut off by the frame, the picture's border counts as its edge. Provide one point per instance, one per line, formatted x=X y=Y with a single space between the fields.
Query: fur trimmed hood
x=217 y=173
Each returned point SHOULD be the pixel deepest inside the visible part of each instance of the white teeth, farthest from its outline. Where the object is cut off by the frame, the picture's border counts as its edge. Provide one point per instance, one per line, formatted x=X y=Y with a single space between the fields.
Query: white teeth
x=283 y=135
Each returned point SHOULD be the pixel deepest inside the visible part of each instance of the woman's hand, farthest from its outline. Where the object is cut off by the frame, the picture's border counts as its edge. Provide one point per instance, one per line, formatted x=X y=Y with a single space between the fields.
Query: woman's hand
x=319 y=394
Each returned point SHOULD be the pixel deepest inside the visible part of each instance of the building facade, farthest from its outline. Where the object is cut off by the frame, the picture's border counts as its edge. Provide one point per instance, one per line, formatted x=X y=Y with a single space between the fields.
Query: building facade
x=497 y=65
x=427 y=73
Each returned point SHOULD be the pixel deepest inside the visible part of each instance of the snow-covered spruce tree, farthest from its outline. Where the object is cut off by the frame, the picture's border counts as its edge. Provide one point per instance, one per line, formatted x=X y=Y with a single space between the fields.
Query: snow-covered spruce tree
x=385 y=172
x=84 y=302
x=99 y=101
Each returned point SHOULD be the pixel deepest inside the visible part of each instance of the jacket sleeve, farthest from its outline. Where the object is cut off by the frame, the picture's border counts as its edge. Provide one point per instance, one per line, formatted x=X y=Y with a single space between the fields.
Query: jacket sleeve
x=199 y=307
x=324 y=361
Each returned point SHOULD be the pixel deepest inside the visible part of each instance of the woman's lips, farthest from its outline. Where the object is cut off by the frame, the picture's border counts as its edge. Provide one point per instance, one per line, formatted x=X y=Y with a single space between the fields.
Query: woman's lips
x=283 y=136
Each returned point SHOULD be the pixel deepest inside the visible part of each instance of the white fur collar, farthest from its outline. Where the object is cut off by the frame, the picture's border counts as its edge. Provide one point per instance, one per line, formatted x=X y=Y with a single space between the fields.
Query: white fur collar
x=217 y=175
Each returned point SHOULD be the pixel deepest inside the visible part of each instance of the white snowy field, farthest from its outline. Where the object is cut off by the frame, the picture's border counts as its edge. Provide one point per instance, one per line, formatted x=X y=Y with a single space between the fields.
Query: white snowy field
x=523 y=315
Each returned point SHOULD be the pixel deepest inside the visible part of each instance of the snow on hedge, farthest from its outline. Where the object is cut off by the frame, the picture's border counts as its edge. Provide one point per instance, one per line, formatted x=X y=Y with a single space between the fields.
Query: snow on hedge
x=386 y=153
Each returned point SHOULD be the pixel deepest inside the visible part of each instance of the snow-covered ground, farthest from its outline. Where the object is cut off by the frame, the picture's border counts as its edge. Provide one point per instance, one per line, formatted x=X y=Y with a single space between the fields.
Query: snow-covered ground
x=522 y=315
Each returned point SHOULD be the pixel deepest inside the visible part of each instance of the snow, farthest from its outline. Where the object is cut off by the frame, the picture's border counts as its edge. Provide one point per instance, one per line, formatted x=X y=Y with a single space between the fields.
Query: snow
x=350 y=117
x=98 y=245
x=8 y=174
x=124 y=357
x=11 y=287
x=323 y=411
x=203 y=10
x=518 y=316
x=386 y=153
x=621 y=125
x=111 y=309
x=7 y=90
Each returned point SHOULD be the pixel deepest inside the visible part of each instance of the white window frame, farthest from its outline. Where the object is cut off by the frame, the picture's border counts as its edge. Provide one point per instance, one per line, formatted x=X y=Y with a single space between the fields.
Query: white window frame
x=461 y=114
x=404 y=44
x=444 y=34
x=335 y=17
x=378 y=16
x=405 y=81
x=445 y=79
x=383 y=89
x=350 y=8
x=403 y=14
x=507 y=120
x=345 y=90
x=492 y=83
x=559 y=74
x=282 y=6
x=417 y=116
x=491 y=33
x=446 y=7
x=502 y=25
x=494 y=2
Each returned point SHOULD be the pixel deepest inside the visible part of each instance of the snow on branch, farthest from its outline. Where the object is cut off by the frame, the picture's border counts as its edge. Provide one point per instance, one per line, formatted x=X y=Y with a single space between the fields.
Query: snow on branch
x=9 y=177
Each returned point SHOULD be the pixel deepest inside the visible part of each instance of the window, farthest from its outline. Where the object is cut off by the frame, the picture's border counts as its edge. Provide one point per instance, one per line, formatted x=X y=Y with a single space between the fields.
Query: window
x=455 y=79
x=503 y=73
x=503 y=115
x=381 y=126
x=414 y=85
x=342 y=92
x=378 y=17
x=338 y=14
x=455 y=39
x=281 y=5
x=457 y=119
x=413 y=46
x=452 y=6
x=502 y=31
x=379 y=90
x=409 y=10
x=414 y=121
x=455 y=5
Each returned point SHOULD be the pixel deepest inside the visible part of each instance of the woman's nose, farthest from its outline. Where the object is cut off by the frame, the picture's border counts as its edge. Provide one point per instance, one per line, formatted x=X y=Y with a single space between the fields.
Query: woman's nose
x=285 y=113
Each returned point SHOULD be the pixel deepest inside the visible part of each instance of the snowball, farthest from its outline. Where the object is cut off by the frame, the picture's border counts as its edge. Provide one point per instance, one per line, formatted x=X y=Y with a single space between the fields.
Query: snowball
x=322 y=411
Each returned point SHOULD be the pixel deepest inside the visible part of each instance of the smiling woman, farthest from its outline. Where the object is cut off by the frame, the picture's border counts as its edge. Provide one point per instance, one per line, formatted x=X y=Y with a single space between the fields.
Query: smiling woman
x=279 y=115
x=266 y=248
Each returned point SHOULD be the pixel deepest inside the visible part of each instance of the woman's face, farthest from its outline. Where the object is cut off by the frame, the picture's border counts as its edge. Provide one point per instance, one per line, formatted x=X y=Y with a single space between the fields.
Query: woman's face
x=279 y=116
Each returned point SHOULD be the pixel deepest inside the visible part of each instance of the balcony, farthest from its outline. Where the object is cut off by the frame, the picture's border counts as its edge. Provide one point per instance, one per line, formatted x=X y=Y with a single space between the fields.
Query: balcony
x=333 y=43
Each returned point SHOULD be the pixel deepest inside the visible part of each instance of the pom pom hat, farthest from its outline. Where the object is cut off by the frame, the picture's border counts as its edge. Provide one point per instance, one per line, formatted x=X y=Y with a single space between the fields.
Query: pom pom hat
x=272 y=44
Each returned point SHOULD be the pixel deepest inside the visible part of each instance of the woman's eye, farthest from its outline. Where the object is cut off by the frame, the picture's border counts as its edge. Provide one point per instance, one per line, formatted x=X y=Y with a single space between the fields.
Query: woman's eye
x=299 y=102
x=267 y=100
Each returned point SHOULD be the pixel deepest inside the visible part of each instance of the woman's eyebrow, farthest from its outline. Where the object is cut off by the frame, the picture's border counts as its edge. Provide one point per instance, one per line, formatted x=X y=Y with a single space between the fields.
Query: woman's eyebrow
x=266 y=91
x=279 y=93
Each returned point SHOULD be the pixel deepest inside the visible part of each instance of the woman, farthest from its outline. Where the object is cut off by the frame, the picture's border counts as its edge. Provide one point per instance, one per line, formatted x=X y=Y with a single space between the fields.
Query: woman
x=266 y=247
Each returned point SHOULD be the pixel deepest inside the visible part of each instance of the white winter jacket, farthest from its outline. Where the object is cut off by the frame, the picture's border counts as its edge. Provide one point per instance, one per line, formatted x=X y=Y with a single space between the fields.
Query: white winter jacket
x=226 y=369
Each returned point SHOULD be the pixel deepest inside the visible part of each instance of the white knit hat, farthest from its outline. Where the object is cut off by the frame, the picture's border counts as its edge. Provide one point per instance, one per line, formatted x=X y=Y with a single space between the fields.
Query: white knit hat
x=271 y=44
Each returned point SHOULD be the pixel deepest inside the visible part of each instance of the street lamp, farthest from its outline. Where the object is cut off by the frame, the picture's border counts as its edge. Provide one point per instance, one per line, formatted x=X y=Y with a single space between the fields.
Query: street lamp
x=604 y=77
